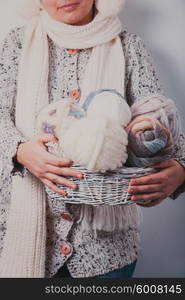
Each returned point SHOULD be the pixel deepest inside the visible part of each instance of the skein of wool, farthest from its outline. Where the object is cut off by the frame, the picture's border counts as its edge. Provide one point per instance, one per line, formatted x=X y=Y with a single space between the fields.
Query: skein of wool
x=92 y=136
x=153 y=131
x=148 y=137
x=98 y=144
x=110 y=104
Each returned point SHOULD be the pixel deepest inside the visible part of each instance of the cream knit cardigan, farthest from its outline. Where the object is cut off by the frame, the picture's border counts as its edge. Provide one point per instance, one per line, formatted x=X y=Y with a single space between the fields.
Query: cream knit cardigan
x=23 y=254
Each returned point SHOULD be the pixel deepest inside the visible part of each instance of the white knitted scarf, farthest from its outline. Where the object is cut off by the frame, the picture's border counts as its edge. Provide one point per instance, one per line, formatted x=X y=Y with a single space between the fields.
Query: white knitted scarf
x=24 y=248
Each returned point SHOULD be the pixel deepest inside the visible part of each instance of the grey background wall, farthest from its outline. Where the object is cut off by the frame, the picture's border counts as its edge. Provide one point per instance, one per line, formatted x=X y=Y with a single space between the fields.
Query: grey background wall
x=161 y=25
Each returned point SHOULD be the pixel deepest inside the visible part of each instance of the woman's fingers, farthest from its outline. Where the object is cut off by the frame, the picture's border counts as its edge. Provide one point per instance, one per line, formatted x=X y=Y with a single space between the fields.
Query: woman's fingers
x=46 y=166
x=153 y=203
x=53 y=187
x=46 y=137
x=163 y=164
x=156 y=178
x=60 y=180
x=157 y=187
x=64 y=171
x=51 y=159
x=138 y=189
x=147 y=197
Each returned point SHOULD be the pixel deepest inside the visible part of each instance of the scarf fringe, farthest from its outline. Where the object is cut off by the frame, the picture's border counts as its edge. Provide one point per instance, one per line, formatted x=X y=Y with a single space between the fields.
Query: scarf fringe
x=110 y=218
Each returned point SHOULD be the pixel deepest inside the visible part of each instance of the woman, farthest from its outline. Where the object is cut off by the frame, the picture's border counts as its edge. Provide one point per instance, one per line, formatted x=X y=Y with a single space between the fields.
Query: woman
x=57 y=64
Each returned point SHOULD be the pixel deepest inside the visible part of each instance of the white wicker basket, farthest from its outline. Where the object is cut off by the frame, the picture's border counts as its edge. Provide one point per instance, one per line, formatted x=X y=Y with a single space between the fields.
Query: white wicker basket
x=110 y=188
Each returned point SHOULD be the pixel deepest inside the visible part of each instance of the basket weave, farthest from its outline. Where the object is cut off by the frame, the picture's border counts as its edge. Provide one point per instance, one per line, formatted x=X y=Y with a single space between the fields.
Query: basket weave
x=109 y=188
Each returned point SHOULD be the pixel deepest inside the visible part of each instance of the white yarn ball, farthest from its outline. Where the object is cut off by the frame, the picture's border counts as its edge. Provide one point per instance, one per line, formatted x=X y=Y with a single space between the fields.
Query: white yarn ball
x=96 y=144
x=110 y=7
x=110 y=105
x=98 y=140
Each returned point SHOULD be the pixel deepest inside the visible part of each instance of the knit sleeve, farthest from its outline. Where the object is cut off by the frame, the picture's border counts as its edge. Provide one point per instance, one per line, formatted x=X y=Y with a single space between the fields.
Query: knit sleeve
x=10 y=136
x=141 y=80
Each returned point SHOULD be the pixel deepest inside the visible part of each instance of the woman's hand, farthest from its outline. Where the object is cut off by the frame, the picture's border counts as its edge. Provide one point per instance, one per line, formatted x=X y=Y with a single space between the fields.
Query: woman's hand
x=158 y=186
x=46 y=166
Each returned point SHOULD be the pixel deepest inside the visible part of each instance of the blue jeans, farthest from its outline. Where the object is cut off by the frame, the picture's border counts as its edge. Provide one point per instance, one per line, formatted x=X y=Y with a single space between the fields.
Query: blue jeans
x=125 y=272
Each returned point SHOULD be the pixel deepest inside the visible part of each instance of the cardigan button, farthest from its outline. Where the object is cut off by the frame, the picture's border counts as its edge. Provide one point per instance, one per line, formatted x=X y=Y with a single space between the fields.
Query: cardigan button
x=67 y=217
x=72 y=51
x=66 y=249
x=75 y=94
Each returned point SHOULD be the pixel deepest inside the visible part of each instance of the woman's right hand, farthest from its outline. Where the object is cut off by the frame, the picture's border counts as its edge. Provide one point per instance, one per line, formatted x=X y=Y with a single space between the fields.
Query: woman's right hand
x=49 y=168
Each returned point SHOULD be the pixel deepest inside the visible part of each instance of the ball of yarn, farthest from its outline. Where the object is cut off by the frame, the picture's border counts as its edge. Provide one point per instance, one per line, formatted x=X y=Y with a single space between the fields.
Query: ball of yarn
x=93 y=135
x=98 y=144
x=148 y=137
x=109 y=104
x=149 y=141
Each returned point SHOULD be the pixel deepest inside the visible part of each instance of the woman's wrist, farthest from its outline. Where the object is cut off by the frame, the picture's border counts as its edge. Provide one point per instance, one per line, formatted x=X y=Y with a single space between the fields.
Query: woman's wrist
x=182 y=166
x=19 y=168
x=19 y=153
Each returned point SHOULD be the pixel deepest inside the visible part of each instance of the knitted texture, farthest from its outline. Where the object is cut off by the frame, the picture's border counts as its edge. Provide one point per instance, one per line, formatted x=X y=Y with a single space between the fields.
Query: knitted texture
x=35 y=51
x=23 y=256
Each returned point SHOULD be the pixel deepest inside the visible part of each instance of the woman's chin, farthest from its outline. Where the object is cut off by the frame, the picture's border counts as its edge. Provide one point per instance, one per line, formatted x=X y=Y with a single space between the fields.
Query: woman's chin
x=72 y=18
x=69 y=20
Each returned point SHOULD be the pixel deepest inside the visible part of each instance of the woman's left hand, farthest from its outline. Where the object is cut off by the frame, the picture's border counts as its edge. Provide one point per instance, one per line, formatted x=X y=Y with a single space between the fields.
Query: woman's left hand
x=158 y=186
